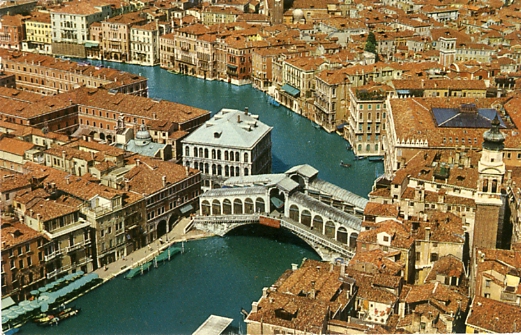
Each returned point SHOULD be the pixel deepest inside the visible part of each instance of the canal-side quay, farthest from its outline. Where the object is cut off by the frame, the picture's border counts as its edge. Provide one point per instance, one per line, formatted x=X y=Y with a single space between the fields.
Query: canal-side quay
x=180 y=234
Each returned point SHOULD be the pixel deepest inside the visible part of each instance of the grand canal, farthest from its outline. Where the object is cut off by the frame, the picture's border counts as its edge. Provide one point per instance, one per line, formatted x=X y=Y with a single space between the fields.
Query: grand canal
x=216 y=275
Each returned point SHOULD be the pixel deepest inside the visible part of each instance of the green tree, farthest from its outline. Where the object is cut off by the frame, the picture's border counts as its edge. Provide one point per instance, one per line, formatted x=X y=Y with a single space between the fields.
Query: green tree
x=370 y=44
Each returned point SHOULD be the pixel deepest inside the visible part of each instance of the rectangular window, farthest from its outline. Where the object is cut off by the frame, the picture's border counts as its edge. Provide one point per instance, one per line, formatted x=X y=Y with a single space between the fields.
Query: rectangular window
x=434 y=257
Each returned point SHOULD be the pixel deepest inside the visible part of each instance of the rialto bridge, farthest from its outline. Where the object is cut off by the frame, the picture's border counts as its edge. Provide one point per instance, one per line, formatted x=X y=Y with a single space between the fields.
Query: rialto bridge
x=325 y=216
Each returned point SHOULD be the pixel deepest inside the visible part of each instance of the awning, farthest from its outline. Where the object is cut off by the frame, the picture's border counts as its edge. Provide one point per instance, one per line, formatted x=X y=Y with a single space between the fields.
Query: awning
x=403 y=91
x=233 y=67
x=290 y=89
x=91 y=44
x=7 y=302
x=341 y=126
x=186 y=208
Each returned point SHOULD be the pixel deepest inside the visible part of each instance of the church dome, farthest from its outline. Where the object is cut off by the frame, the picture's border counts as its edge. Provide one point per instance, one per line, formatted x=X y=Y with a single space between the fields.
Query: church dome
x=298 y=15
x=143 y=136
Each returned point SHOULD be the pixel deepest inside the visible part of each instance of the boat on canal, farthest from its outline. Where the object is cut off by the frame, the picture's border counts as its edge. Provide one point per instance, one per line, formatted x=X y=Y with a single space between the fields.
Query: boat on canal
x=376 y=158
x=358 y=158
x=55 y=320
x=272 y=101
x=140 y=269
x=346 y=165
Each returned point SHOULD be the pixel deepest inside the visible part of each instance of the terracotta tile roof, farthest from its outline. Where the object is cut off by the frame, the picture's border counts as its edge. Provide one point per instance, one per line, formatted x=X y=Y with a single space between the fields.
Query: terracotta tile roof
x=289 y=303
x=290 y=311
x=84 y=188
x=494 y=316
x=381 y=210
x=444 y=228
x=441 y=296
x=49 y=210
x=439 y=84
x=414 y=121
x=135 y=105
x=383 y=263
x=147 y=177
x=400 y=234
x=17 y=233
x=449 y=266
x=15 y=146
x=12 y=181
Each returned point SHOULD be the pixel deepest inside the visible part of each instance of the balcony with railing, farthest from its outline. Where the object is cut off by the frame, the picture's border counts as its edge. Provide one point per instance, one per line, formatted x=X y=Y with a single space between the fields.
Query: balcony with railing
x=67 y=268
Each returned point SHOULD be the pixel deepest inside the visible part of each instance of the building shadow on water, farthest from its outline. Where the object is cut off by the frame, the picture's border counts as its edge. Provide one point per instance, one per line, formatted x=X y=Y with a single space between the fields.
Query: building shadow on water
x=279 y=235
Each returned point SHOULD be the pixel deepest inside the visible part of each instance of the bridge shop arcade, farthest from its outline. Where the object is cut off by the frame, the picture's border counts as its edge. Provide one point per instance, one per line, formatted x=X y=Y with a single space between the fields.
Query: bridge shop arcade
x=325 y=216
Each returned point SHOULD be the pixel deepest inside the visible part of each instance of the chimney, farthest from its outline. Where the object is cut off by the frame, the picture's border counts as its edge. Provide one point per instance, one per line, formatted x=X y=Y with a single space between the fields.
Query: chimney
x=294 y=266
x=254 y=305
x=264 y=292
x=127 y=187
x=427 y=233
x=238 y=119
x=312 y=293
x=164 y=180
x=509 y=175
x=187 y=169
x=138 y=162
x=245 y=110
x=343 y=269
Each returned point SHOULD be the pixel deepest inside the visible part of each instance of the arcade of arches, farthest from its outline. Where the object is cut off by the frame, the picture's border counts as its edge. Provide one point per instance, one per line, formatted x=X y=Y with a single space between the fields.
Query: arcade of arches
x=253 y=205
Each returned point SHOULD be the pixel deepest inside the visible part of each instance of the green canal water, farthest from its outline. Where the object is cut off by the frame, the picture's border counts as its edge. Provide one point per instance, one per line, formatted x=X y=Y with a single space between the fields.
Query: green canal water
x=217 y=275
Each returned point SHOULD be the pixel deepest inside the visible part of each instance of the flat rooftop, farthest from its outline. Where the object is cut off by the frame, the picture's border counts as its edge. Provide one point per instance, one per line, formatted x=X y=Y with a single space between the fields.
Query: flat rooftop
x=214 y=325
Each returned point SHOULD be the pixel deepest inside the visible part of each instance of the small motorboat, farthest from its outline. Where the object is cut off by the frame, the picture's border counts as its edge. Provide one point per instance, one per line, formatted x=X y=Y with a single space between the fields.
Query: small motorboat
x=346 y=165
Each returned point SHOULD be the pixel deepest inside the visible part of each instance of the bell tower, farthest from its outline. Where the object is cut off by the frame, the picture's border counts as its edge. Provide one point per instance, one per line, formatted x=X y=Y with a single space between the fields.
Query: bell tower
x=489 y=203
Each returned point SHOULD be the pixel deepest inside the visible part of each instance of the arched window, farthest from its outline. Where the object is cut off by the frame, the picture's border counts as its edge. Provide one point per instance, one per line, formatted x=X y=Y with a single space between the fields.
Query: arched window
x=232 y=157
x=227 y=207
x=216 y=207
x=206 y=168
x=219 y=154
x=232 y=171
x=201 y=152
x=213 y=153
x=196 y=165
x=195 y=151
x=306 y=218
x=318 y=224
x=341 y=235
x=248 y=206
x=368 y=147
x=330 y=229
x=226 y=171
x=376 y=147
x=237 y=206
x=187 y=151
x=246 y=171
x=294 y=213
x=352 y=240
x=226 y=155
x=205 y=207
x=205 y=153
x=237 y=157
x=246 y=157
x=237 y=171
x=214 y=169
x=359 y=147
x=260 y=206
x=219 y=170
